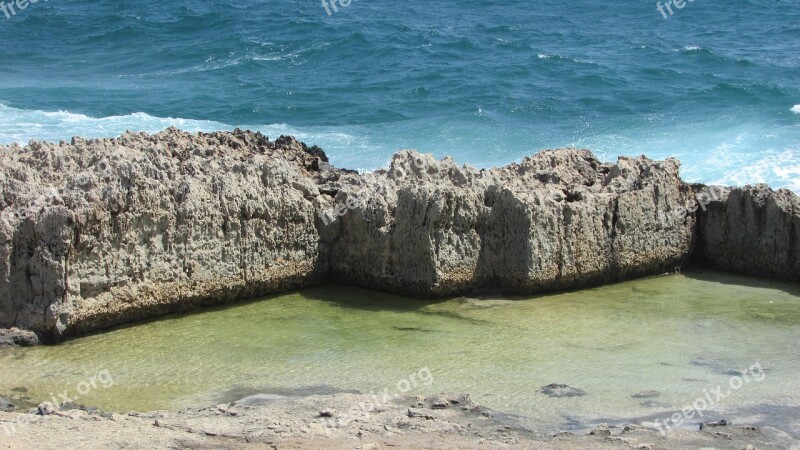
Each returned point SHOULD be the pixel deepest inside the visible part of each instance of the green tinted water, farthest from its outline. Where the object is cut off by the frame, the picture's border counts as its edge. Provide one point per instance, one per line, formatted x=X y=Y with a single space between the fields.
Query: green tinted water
x=677 y=335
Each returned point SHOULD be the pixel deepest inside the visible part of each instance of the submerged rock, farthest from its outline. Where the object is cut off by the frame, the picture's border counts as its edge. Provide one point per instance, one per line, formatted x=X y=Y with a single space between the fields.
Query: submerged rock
x=646 y=394
x=562 y=390
x=654 y=404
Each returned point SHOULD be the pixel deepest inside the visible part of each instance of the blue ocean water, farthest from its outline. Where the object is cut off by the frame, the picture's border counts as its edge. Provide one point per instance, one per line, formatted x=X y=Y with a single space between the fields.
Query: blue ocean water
x=716 y=84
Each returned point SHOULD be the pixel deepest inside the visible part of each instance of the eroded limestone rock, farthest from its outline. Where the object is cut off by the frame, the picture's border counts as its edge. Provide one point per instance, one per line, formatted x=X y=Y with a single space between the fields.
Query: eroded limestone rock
x=101 y=232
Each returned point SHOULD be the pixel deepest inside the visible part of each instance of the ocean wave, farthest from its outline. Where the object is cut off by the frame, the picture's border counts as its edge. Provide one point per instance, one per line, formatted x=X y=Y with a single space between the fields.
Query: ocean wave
x=213 y=63
x=561 y=58
x=737 y=155
x=796 y=109
x=690 y=48
x=21 y=125
x=776 y=168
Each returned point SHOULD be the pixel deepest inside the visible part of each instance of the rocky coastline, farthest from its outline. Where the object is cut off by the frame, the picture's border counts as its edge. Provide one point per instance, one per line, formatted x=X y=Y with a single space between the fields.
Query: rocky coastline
x=341 y=421
x=102 y=232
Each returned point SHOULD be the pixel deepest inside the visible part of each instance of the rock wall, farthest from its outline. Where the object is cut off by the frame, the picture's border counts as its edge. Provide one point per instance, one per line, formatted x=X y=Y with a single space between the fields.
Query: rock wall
x=102 y=232
x=558 y=220
x=751 y=230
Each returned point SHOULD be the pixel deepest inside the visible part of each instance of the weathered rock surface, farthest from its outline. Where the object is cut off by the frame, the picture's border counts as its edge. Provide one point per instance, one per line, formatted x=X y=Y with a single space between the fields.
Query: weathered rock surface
x=560 y=219
x=18 y=338
x=351 y=422
x=751 y=230
x=101 y=232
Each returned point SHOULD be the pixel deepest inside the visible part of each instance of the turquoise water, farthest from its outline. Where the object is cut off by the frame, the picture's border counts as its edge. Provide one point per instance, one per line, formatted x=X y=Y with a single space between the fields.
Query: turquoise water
x=717 y=84
x=678 y=335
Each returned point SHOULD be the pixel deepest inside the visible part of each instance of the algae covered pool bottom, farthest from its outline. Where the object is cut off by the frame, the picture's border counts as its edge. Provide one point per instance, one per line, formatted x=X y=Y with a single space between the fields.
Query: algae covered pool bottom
x=640 y=349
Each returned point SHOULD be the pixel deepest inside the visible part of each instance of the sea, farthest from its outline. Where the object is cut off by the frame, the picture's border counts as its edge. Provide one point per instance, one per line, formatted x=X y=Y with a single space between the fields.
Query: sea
x=488 y=82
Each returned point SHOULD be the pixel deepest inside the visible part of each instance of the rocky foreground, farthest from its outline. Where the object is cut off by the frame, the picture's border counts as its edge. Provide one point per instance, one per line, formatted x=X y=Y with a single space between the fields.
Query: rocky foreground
x=97 y=233
x=343 y=422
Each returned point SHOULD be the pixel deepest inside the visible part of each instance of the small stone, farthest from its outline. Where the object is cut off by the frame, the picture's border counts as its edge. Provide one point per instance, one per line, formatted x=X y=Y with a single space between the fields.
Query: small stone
x=417 y=413
x=327 y=413
x=46 y=409
x=633 y=428
x=601 y=430
x=562 y=434
x=439 y=402
x=15 y=337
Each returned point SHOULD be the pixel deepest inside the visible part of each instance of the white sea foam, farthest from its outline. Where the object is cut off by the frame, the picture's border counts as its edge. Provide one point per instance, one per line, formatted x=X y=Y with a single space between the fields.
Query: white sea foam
x=21 y=126
x=688 y=48
x=796 y=109
x=723 y=156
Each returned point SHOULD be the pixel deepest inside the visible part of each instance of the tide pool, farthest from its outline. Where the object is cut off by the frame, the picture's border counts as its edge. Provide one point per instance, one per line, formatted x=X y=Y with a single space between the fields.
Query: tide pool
x=640 y=350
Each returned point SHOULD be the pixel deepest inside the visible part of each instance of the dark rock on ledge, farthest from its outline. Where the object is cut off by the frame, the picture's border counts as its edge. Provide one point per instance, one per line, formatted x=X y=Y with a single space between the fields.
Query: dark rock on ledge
x=18 y=338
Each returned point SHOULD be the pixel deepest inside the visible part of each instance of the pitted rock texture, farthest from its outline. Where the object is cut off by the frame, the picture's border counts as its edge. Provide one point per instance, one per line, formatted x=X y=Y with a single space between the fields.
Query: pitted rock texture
x=101 y=232
x=751 y=230
x=560 y=219
x=17 y=338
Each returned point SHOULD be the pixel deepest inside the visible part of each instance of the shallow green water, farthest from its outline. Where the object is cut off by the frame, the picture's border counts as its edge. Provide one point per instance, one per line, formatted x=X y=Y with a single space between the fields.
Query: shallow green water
x=677 y=334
